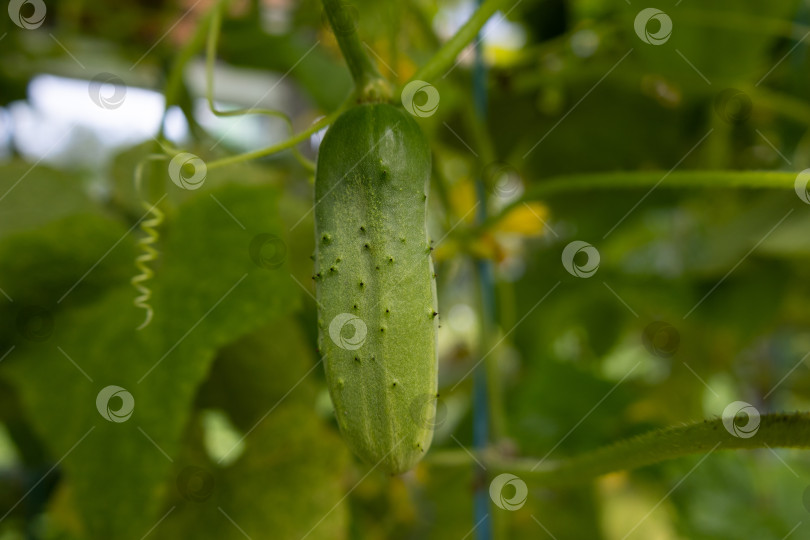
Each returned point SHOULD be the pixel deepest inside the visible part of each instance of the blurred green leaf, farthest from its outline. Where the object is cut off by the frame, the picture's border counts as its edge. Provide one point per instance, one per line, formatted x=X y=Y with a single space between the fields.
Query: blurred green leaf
x=290 y=481
x=195 y=314
x=723 y=40
x=65 y=263
x=266 y=385
x=33 y=196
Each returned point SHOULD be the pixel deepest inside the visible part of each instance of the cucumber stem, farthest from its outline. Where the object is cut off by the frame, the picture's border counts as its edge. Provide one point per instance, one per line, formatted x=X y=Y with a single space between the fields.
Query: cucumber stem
x=369 y=84
x=775 y=430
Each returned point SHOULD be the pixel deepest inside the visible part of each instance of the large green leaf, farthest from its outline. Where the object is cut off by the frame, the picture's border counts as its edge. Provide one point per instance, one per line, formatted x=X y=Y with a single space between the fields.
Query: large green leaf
x=289 y=481
x=261 y=371
x=208 y=291
x=265 y=383
x=65 y=263
x=32 y=196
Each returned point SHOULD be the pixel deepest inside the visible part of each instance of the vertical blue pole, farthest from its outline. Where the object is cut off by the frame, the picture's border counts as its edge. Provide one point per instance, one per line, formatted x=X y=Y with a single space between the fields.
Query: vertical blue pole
x=480 y=395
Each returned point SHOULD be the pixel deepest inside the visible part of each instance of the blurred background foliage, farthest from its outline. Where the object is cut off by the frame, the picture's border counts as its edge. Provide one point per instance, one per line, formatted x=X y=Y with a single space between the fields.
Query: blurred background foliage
x=232 y=433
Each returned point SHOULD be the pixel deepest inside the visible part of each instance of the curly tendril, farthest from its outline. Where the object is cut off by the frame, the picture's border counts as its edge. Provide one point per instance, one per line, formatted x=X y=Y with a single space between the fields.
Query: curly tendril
x=149 y=227
x=148 y=254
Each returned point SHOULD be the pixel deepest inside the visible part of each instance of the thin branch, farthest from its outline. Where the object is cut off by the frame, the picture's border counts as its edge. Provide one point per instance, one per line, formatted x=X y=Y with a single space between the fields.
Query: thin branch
x=775 y=430
x=445 y=57
x=647 y=179
x=369 y=84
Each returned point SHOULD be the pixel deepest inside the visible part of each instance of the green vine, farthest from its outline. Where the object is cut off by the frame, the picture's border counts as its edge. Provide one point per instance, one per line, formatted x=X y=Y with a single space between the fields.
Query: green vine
x=653 y=179
x=370 y=86
x=446 y=56
x=210 y=59
x=775 y=430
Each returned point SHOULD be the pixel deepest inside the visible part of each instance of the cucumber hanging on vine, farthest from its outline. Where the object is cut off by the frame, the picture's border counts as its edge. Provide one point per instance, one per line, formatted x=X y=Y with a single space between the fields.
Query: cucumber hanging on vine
x=375 y=284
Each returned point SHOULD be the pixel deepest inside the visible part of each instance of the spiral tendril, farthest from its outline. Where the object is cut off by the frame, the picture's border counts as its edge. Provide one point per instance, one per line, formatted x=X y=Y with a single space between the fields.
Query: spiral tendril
x=148 y=254
x=149 y=227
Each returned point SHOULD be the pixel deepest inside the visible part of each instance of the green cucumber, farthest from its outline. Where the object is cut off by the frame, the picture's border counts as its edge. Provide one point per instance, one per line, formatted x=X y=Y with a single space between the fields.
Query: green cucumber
x=376 y=289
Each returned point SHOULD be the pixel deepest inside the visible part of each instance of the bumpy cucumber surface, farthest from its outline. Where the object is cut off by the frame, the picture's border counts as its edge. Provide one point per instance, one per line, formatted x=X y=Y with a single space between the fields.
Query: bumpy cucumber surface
x=375 y=284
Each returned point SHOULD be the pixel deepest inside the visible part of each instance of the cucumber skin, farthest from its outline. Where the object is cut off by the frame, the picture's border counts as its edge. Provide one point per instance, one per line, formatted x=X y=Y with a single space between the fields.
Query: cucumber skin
x=373 y=261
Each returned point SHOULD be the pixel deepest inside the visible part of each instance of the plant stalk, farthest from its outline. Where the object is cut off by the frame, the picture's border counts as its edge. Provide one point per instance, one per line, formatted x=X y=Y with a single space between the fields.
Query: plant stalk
x=649 y=179
x=775 y=430
x=174 y=82
x=369 y=84
x=446 y=56
x=284 y=145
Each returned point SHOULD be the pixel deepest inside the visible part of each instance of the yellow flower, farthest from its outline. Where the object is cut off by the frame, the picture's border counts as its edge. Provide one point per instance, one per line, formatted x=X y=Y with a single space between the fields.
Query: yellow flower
x=527 y=219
